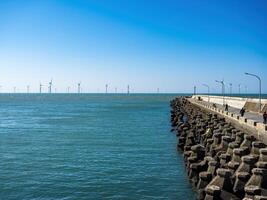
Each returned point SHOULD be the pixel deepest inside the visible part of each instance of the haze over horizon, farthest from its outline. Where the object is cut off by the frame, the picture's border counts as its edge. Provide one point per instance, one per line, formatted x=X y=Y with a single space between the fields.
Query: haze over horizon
x=171 y=45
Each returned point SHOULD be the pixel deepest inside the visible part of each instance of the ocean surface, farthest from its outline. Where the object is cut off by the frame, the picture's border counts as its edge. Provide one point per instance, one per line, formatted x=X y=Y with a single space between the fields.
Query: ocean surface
x=89 y=146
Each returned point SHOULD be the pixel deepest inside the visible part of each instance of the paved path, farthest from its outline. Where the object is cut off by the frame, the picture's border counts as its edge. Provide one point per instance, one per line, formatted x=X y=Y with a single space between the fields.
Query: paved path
x=249 y=115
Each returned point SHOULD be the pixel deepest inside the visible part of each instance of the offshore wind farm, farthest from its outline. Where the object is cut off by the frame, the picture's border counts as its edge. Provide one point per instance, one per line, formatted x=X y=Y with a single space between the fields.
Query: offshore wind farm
x=50 y=89
x=226 y=88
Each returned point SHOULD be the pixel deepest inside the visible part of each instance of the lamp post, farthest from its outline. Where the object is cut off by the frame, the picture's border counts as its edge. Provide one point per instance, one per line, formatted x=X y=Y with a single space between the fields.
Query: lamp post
x=208 y=91
x=221 y=82
x=249 y=74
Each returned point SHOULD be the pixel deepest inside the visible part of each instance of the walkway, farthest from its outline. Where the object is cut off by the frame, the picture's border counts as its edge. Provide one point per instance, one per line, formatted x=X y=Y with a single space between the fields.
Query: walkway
x=249 y=115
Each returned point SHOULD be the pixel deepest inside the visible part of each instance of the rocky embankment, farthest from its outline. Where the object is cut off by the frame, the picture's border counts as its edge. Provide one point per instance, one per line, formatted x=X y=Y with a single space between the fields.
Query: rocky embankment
x=221 y=161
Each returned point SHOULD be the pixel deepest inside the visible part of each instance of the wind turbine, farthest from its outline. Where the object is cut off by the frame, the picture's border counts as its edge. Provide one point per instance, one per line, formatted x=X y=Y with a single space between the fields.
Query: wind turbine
x=28 y=89
x=50 y=86
x=79 y=87
x=106 y=88
x=40 y=88
x=128 y=89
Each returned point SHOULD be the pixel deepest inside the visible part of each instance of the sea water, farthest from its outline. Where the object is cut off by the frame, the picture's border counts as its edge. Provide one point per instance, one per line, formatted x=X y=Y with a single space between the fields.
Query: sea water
x=89 y=146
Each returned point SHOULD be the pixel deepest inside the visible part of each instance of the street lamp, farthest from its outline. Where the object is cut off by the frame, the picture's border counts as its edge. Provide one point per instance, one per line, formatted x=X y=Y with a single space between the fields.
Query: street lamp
x=249 y=74
x=221 y=82
x=208 y=91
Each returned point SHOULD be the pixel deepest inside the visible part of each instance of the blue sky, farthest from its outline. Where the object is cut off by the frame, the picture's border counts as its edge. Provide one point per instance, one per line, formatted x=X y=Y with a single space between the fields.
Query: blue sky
x=167 y=44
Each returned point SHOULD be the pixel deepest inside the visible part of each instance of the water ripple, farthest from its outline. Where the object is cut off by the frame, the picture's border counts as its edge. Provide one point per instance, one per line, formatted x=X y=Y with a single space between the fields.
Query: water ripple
x=89 y=147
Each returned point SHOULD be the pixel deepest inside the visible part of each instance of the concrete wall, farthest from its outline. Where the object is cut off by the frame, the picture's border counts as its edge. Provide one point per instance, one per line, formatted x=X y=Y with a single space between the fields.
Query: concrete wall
x=235 y=102
x=259 y=130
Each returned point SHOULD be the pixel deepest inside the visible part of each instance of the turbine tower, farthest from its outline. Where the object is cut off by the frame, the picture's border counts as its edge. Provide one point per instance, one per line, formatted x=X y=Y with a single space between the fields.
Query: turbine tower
x=40 y=88
x=28 y=89
x=79 y=87
x=128 y=89
x=50 y=86
x=68 y=89
x=106 y=88
x=115 y=89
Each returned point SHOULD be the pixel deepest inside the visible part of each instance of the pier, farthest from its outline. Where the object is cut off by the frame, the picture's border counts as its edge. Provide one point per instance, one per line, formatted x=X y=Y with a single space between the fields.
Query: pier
x=225 y=154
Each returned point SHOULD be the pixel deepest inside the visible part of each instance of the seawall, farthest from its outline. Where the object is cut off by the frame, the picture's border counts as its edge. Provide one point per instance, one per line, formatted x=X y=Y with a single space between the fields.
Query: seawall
x=251 y=126
x=251 y=104
x=222 y=159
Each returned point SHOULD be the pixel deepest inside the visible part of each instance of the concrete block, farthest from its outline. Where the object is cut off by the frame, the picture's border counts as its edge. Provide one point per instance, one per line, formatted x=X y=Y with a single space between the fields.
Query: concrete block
x=251 y=122
x=243 y=119
x=236 y=116
x=222 y=180
x=261 y=126
x=252 y=190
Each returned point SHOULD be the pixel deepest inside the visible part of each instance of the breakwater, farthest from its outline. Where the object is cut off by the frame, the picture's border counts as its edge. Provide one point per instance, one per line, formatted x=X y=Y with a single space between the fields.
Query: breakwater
x=222 y=161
